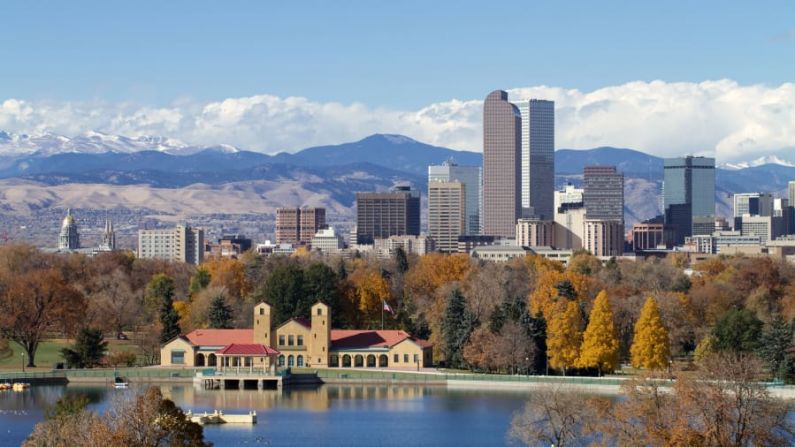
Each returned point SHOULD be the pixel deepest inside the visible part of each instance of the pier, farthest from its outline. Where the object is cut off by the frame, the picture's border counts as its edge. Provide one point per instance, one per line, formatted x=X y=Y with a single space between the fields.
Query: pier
x=218 y=417
x=238 y=381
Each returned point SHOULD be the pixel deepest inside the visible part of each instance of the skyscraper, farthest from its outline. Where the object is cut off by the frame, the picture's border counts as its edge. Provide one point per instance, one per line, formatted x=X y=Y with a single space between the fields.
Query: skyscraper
x=603 y=193
x=446 y=214
x=181 y=243
x=689 y=195
x=298 y=225
x=502 y=136
x=470 y=176
x=537 y=157
x=383 y=214
x=753 y=203
x=791 y=193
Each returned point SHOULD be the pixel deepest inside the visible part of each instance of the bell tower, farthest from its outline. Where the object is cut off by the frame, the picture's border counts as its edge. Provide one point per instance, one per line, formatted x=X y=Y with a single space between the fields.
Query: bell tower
x=320 y=335
x=263 y=331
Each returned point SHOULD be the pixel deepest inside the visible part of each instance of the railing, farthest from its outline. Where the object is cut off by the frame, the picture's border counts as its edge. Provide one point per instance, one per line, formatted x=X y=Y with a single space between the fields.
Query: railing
x=32 y=375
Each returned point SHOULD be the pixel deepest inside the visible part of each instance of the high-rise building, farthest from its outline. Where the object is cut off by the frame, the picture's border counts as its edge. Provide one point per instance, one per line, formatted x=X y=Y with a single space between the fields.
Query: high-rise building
x=531 y=232
x=792 y=193
x=383 y=214
x=537 y=157
x=298 y=226
x=603 y=194
x=688 y=193
x=327 y=240
x=446 y=214
x=648 y=236
x=181 y=243
x=753 y=203
x=69 y=238
x=569 y=218
x=471 y=177
x=603 y=237
x=502 y=134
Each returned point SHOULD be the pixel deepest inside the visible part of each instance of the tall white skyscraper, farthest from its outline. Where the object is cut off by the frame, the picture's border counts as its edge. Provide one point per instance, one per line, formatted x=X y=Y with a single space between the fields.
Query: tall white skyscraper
x=470 y=176
x=537 y=157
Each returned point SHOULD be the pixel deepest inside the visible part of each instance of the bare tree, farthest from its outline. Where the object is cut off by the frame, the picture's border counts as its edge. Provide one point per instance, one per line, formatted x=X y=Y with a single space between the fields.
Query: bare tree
x=555 y=416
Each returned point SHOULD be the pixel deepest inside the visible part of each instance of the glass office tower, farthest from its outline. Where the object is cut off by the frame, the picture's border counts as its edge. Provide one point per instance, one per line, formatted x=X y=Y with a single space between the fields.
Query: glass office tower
x=690 y=181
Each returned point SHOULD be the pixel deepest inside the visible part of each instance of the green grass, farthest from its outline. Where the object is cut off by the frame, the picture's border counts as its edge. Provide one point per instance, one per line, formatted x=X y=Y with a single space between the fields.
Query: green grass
x=49 y=353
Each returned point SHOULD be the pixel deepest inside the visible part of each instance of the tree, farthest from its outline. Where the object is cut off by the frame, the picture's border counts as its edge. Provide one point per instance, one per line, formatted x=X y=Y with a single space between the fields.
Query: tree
x=161 y=291
x=321 y=283
x=457 y=325
x=600 y=343
x=564 y=337
x=551 y=416
x=739 y=330
x=89 y=349
x=704 y=348
x=401 y=260
x=650 y=345
x=220 y=313
x=199 y=281
x=775 y=346
x=284 y=290
x=511 y=350
x=35 y=302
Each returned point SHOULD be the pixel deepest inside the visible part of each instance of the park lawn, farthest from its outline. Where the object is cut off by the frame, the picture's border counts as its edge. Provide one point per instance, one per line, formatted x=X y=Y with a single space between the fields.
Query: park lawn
x=49 y=353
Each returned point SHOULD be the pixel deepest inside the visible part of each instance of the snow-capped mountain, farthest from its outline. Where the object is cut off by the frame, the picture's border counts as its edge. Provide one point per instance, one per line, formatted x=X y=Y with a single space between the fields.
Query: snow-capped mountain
x=766 y=160
x=92 y=142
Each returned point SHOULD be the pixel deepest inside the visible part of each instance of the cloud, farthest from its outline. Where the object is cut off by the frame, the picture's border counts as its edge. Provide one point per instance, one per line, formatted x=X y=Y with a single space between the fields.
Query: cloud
x=722 y=118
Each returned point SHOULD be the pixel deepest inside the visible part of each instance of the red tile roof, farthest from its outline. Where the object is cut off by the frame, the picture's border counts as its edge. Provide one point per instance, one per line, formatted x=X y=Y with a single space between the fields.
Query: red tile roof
x=363 y=339
x=220 y=337
x=247 y=349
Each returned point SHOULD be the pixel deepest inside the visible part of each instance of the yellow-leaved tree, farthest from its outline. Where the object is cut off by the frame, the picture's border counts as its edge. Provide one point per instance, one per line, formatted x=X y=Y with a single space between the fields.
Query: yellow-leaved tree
x=564 y=336
x=650 y=346
x=600 y=343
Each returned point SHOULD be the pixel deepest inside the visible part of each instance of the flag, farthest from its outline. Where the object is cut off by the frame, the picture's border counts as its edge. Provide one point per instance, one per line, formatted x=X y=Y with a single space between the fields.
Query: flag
x=388 y=308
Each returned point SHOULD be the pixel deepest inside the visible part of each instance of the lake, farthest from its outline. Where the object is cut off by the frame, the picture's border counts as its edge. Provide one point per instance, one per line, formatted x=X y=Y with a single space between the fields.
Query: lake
x=329 y=415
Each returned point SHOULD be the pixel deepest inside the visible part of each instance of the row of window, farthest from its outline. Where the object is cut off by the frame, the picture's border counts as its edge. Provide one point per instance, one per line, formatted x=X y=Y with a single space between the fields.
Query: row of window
x=292 y=361
x=298 y=340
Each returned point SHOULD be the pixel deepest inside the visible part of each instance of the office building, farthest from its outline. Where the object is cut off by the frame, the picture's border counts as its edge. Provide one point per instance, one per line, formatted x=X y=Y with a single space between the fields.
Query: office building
x=181 y=243
x=326 y=240
x=446 y=214
x=766 y=227
x=297 y=226
x=230 y=246
x=537 y=157
x=569 y=218
x=650 y=236
x=688 y=194
x=418 y=245
x=502 y=199
x=471 y=177
x=603 y=193
x=791 y=198
x=753 y=203
x=383 y=214
x=720 y=241
x=603 y=237
x=531 y=232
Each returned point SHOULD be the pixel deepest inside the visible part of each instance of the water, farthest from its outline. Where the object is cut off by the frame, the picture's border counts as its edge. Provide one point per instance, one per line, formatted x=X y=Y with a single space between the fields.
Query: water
x=330 y=415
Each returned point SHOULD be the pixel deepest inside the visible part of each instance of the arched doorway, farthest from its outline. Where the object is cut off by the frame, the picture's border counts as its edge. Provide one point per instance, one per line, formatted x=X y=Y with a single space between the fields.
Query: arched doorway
x=383 y=361
x=371 y=361
x=334 y=361
x=200 y=359
x=212 y=360
x=300 y=361
x=290 y=361
x=358 y=361
x=346 y=361
x=281 y=360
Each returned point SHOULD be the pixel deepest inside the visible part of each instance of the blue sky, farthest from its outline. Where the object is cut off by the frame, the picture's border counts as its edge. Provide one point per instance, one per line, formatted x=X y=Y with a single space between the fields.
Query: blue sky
x=402 y=54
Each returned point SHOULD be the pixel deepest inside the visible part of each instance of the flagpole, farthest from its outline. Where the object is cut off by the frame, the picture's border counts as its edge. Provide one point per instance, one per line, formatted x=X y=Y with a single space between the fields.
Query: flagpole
x=382 y=315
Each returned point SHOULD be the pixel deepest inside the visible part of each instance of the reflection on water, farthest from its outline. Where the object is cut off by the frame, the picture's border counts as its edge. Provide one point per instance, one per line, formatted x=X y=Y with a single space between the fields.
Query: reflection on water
x=330 y=415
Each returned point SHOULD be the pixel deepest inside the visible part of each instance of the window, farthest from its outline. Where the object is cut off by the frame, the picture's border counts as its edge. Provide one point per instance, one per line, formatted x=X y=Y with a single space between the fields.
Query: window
x=281 y=340
x=178 y=357
x=300 y=361
x=281 y=360
x=405 y=358
x=262 y=311
x=300 y=340
x=416 y=358
x=290 y=361
x=290 y=340
x=319 y=311
x=396 y=358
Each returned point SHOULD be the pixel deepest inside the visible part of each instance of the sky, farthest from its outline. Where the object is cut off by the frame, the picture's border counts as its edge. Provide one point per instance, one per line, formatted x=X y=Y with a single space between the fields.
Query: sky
x=667 y=78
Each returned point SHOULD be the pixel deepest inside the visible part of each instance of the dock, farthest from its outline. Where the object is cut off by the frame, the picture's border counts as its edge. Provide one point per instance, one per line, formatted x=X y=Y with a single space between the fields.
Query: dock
x=238 y=381
x=218 y=417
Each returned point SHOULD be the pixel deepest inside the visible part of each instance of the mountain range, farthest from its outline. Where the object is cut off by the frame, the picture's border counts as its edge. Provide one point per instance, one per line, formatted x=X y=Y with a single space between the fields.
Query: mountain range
x=328 y=174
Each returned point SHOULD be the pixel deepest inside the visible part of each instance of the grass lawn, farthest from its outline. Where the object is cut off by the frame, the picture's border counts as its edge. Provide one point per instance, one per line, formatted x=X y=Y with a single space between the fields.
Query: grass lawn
x=49 y=353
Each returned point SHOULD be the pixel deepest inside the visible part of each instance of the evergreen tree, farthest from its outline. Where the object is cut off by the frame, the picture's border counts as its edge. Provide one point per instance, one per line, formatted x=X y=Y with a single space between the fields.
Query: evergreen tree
x=650 y=345
x=284 y=290
x=739 y=330
x=496 y=319
x=89 y=349
x=199 y=281
x=775 y=346
x=220 y=313
x=457 y=325
x=564 y=337
x=321 y=283
x=566 y=290
x=536 y=328
x=401 y=260
x=600 y=342
x=342 y=274
x=161 y=289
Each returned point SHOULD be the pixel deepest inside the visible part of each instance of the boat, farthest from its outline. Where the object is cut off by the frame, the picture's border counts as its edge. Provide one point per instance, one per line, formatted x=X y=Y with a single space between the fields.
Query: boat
x=120 y=382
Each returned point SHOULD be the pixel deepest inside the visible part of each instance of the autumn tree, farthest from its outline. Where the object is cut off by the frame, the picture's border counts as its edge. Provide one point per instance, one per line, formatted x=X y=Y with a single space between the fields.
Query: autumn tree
x=35 y=302
x=199 y=281
x=650 y=345
x=510 y=349
x=564 y=337
x=552 y=416
x=228 y=273
x=370 y=291
x=600 y=344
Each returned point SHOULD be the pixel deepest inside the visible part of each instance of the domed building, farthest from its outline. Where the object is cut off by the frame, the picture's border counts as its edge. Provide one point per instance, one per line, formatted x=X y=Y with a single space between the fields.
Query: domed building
x=69 y=238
